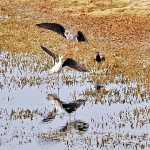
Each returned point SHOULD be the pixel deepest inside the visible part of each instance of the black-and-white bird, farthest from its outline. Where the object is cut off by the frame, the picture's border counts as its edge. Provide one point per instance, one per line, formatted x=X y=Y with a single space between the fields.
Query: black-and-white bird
x=55 y=27
x=69 y=62
x=80 y=37
x=68 y=107
x=99 y=57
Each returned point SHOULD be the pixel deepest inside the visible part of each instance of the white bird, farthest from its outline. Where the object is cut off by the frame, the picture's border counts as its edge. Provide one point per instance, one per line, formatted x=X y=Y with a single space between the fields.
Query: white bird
x=69 y=62
x=55 y=27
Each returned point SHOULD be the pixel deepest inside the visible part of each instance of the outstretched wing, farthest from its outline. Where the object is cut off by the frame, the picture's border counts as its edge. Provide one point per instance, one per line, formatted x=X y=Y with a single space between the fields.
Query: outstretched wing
x=55 y=27
x=49 y=53
x=74 y=65
x=81 y=37
x=79 y=101
x=54 y=97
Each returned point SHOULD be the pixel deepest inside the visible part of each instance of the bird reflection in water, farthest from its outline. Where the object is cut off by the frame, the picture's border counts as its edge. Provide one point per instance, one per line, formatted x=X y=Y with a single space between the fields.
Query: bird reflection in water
x=51 y=115
x=67 y=107
x=62 y=131
x=70 y=126
x=76 y=124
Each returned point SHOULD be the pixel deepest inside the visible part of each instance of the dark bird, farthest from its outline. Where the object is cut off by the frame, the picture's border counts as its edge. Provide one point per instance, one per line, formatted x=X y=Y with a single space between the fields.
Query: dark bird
x=55 y=27
x=68 y=107
x=98 y=86
x=99 y=57
x=69 y=62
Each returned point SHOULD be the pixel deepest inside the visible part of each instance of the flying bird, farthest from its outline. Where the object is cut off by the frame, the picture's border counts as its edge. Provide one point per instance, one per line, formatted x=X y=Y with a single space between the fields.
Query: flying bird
x=55 y=27
x=99 y=57
x=69 y=62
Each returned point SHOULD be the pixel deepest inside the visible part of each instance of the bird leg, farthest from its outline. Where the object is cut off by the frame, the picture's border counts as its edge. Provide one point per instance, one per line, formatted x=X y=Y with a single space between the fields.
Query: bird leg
x=74 y=45
x=75 y=54
x=51 y=84
x=58 y=84
x=76 y=50
x=68 y=44
x=69 y=118
x=75 y=115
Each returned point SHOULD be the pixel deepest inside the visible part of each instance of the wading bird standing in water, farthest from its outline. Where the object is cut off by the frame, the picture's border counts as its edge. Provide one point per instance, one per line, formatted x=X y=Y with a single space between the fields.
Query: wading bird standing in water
x=55 y=27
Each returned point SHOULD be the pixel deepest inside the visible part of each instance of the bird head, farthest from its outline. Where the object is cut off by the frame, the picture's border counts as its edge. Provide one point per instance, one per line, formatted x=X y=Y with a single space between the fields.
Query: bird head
x=60 y=57
x=97 y=53
x=52 y=97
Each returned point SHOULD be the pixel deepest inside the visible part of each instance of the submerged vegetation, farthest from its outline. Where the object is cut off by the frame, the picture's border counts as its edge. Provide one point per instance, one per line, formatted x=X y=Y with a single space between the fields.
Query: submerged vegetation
x=117 y=90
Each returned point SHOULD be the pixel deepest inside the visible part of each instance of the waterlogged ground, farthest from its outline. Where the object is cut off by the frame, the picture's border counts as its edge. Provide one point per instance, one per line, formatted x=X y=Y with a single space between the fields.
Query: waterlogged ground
x=117 y=116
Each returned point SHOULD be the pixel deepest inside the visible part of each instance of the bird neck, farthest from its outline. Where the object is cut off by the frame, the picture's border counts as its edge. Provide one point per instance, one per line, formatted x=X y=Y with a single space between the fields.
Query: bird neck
x=97 y=56
x=60 y=60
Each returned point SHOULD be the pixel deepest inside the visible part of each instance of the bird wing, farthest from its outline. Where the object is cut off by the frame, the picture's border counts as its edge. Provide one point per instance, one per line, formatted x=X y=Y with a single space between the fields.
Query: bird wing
x=79 y=102
x=81 y=37
x=74 y=65
x=55 y=97
x=74 y=105
x=55 y=27
x=49 y=53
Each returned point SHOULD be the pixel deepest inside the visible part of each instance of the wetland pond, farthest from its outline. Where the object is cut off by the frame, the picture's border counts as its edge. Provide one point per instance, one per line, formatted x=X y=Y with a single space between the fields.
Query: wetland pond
x=116 y=116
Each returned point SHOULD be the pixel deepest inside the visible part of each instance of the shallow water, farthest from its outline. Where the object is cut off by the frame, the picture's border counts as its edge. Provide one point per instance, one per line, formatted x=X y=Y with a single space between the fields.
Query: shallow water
x=118 y=115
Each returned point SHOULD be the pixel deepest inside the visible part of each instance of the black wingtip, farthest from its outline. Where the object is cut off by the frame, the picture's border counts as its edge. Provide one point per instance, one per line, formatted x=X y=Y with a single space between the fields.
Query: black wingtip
x=42 y=47
x=84 y=70
x=39 y=25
